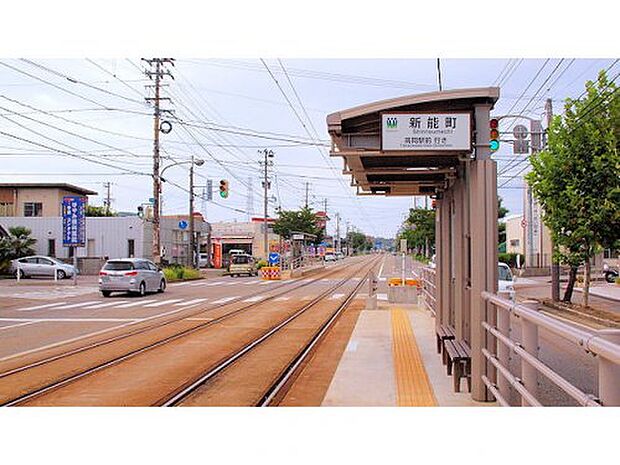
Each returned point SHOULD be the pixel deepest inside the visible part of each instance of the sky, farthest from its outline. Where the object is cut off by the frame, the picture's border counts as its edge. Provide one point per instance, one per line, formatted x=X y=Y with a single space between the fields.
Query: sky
x=95 y=109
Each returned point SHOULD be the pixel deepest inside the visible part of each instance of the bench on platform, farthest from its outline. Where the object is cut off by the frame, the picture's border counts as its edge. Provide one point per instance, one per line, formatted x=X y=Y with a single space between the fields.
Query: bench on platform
x=457 y=357
x=444 y=333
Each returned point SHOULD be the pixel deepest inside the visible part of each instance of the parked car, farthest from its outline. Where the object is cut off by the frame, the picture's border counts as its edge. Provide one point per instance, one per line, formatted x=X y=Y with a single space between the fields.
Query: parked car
x=203 y=260
x=505 y=284
x=242 y=264
x=339 y=255
x=330 y=257
x=133 y=275
x=39 y=265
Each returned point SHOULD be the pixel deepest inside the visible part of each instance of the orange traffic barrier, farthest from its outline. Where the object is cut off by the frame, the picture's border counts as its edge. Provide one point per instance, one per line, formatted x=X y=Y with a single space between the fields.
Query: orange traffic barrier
x=270 y=273
x=399 y=282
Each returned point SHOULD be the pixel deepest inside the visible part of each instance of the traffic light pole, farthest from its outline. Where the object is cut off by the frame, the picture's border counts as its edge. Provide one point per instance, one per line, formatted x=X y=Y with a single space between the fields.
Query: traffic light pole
x=555 y=266
x=192 y=238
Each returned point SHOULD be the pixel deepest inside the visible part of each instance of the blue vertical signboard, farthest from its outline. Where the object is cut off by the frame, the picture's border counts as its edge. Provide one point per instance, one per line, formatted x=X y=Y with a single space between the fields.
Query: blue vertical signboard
x=73 y=221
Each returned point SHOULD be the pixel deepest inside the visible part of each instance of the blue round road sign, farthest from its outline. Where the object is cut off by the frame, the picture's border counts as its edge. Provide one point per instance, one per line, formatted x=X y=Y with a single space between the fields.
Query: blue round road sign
x=274 y=257
x=183 y=224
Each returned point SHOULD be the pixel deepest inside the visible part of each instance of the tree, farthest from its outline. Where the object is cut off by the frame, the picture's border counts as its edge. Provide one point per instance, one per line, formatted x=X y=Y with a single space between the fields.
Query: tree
x=92 y=210
x=419 y=230
x=360 y=242
x=303 y=220
x=576 y=179
x=16 y=244
x=501 y=225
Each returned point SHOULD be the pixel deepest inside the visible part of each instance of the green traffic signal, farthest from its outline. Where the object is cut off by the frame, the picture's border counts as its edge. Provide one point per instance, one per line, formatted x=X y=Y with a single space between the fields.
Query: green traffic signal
x=494 y=145
x=224 y=194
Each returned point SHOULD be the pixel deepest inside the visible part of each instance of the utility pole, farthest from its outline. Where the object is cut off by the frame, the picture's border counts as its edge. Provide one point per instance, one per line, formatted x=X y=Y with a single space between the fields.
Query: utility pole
x=267 y=162
x=338 y=245
x=439 y=74
x=307 y=188
x=555 y=266
x=108 y=200
x=326 y=217
x=192 y=237
x=158 y=72
x=348 y=240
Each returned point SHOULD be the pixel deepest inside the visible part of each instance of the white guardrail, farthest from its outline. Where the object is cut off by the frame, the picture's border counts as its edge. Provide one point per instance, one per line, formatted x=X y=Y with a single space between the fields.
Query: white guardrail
x=602 y=344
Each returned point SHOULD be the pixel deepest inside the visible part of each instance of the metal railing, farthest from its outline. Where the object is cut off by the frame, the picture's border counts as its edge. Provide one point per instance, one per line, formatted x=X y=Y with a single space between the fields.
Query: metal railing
x=603 y=344
x=303 y=261
x=428 y=289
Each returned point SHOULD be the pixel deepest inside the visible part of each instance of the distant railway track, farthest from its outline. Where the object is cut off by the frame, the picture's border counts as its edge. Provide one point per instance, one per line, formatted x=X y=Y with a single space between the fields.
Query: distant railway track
x=84 y=351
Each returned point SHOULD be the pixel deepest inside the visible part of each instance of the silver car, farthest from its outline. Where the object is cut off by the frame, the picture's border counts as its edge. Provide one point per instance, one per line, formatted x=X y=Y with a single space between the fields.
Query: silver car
x=135 y=275
x=39 y=265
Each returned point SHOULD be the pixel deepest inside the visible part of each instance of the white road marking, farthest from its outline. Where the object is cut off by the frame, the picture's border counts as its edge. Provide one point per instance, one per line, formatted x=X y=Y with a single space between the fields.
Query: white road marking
x=81 y=304
x=199 y=319
x=307 y=297
x=224 y=300
x=80 y=320
x=87 y=335
x=270 y=281
x=216 y=283
x=282 y=299
x=163 y=302
x=381 y=269
x=23 y=323
x=382 y=297
x=229 y=283
x=325 y=280
x=361 y=296
x=202 y=283
x=136 y=304
x=255 y=298
x=39 y=307
x=180 y=284
x=351 y=346
x=336 y=296
x=382 y=279
x=254 y=281
x=107 y=304
x=190 y=302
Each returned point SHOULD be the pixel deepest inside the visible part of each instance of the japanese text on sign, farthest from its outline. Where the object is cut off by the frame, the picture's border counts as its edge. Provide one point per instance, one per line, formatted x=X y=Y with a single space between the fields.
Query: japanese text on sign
x=417 y=131
x=73 y=221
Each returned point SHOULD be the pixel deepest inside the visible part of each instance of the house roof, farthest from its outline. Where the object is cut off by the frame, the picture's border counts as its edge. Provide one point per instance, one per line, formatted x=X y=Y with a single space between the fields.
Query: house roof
x=49 y=185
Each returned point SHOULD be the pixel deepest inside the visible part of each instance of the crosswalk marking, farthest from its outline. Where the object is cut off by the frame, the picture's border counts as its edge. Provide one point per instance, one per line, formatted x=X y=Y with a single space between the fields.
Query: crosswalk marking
x=163 y=302
x=336 y=296
x=382 y=297
x=224 y=300
x=361 y=296
x=189 y=302
x=254 y=281
x=107 y=304
x=136 y=304
x=282 y=299
x=39 y=307
x=65 y=307
x=216 y=283
x=255 y=298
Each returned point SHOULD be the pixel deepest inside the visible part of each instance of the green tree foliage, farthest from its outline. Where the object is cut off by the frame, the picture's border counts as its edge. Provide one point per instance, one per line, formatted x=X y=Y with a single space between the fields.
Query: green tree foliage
x=419 y=230
x=501 y=226
x=360 y=242
x=92 y=210
x=577 y=178
x=18 y=243
x=303 y=220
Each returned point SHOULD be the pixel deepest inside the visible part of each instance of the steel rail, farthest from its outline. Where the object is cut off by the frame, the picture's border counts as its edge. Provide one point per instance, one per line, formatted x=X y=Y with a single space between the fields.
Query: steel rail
x=185 y=391
x=282 y=381
x=158 y=325
x=558 y=380
x=495 y=391
x=72 y=378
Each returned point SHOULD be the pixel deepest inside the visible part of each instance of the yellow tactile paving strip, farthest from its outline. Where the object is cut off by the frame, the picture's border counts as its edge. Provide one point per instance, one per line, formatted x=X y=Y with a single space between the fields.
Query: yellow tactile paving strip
x=413 y=386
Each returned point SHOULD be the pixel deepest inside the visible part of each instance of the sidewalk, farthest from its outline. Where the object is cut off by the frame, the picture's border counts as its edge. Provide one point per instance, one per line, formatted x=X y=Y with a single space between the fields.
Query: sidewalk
x=391 y=360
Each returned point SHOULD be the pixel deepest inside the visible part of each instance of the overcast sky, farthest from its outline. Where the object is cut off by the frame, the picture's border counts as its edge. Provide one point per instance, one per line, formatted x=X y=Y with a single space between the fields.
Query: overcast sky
x=115 y=127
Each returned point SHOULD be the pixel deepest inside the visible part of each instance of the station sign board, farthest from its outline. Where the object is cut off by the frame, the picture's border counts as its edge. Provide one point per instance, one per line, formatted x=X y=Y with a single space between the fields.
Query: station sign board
x=74 y=220
x=450 y=131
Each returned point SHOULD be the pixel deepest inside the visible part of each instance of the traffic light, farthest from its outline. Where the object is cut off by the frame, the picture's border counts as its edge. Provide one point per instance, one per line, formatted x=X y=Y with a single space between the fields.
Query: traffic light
x=494 y=135
x=224 y=188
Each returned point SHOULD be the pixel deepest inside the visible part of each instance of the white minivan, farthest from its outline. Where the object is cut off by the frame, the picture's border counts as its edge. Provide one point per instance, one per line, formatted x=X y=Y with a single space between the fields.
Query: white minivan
x=505 y=281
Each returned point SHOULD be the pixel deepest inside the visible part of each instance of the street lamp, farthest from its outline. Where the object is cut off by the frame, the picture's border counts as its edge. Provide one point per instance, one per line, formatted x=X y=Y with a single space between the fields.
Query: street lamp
x=192 y=239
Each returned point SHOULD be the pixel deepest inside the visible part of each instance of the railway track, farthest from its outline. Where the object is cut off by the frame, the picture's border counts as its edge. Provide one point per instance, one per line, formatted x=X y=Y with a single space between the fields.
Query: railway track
x=278 y=386
x=70 y=376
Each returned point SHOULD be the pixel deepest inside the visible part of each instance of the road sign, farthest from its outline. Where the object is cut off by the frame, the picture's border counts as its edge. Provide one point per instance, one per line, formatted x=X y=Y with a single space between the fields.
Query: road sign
x=274 y=258
x=151 y=200
x=74 y=221
x=426 y=131
x=183 y=224
x=209 y=189
x=520 y=131
x=403 y=245
x=521 y=146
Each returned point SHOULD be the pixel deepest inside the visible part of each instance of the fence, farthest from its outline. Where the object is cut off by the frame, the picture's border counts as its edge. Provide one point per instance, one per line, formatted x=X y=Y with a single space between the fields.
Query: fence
x=604 y=345
x=428 y=289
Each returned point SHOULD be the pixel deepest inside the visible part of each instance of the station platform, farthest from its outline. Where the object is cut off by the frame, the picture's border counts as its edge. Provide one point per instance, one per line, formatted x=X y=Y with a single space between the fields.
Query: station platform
x=391 y=359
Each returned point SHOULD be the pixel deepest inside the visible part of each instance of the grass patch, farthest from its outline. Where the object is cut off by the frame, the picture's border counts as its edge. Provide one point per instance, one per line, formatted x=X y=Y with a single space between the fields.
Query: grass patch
x=178 y=273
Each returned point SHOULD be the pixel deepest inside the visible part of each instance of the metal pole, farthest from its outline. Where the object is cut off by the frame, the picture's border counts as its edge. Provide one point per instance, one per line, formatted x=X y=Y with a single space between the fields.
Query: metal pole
x=529 y=376
x=192 y=239
x=609 y=373
x=75 y=266
x=555 y=266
